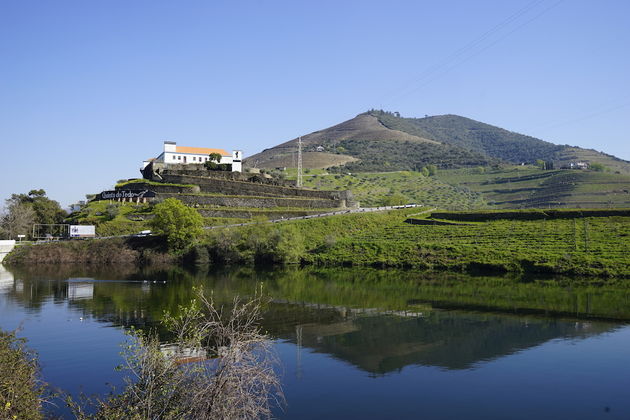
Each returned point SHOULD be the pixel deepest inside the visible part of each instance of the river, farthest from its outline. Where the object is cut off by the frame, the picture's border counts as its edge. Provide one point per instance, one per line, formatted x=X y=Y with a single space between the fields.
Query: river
x=357 y=343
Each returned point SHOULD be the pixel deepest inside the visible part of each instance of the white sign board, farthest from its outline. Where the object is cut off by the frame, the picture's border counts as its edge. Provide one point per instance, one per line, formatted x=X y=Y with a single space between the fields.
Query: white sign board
x=82 y=231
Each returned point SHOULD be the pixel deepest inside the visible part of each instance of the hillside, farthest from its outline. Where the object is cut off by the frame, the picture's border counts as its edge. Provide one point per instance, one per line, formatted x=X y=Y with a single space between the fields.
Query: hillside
x=496 y=142
x=378 y=141
x=530 y=187
x=364 y=144
x=374 y=189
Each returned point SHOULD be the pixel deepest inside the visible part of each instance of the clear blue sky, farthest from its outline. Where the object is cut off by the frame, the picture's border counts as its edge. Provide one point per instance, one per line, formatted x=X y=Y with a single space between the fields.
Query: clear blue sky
x=88 y=89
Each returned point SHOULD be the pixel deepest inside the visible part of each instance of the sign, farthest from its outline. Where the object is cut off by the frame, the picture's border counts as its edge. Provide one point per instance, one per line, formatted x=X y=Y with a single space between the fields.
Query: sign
x=82 y=231
x=125 y=194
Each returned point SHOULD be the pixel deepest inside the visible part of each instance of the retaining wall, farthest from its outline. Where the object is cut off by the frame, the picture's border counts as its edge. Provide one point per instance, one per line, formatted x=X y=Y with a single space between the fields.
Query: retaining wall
x=220 y=186
x=256 y=202
x=5 y=248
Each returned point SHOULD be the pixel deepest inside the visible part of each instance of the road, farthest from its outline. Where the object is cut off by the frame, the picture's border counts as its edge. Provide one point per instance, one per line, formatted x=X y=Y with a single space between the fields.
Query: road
x=316 y=216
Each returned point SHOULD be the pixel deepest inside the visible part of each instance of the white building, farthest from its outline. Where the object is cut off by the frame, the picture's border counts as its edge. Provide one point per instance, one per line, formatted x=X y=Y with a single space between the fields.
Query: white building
x=186 y=155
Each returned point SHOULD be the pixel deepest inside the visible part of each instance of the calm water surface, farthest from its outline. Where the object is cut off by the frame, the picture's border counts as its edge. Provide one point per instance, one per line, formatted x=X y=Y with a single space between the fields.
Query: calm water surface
x=358 y=343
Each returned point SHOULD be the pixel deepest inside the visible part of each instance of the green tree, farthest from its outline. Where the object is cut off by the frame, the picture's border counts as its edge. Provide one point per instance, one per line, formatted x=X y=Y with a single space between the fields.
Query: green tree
x=432 y=170
x=180 y=224
x=540 y=163
x=395 y=200
x=597 y=167
x=425 y=171
x=47 y=211
x=215 y=157
x=268 y=243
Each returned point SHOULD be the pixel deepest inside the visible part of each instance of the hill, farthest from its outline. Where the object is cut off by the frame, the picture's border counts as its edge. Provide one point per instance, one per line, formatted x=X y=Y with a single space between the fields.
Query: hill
x=378 y=141
x=364 y=144
x=496 y=142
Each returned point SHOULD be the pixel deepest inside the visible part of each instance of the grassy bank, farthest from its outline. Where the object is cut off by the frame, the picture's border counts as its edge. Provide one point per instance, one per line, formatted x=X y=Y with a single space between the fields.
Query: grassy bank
x=589 y=246
x=573 y=244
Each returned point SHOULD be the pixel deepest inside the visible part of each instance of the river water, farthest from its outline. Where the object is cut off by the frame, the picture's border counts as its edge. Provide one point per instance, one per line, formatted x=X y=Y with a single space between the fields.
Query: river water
x=357 y=343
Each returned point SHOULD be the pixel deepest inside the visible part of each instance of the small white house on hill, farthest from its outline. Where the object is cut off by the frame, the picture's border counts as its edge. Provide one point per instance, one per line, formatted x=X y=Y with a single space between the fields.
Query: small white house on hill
x=174 y=154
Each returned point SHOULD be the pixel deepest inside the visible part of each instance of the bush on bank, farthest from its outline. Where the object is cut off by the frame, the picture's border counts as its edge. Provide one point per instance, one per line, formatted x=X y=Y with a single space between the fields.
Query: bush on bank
x=20 y=388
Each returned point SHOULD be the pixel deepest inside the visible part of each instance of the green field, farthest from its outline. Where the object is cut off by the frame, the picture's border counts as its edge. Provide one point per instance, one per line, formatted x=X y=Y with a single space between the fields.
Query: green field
x=597 y=246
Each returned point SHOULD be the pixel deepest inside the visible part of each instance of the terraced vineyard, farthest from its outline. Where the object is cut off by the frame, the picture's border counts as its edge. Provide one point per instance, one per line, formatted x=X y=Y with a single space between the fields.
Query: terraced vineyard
x=375 y=189
x=528 y=187
x=584 y=246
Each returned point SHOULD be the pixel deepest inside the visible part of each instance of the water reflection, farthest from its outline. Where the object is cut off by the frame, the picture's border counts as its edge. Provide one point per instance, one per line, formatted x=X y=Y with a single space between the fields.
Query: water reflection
x=378 y=321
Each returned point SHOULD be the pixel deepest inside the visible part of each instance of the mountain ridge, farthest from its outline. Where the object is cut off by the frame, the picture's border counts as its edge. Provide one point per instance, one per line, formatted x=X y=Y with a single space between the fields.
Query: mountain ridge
x=378 y=140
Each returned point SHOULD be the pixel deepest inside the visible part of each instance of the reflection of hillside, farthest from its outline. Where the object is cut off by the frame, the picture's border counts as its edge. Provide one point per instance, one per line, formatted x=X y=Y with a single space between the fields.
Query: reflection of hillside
x=321 y=309
x=452 y=340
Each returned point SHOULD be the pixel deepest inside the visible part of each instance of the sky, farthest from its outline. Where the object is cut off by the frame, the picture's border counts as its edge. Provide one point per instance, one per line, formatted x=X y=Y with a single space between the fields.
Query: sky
x=89 y=89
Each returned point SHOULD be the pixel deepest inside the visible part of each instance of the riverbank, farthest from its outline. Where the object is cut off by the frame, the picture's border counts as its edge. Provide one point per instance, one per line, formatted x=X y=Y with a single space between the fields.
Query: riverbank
x=576 y=244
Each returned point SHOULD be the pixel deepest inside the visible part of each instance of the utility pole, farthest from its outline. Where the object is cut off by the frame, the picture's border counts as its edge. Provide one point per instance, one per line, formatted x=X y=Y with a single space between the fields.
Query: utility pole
x=299 y=163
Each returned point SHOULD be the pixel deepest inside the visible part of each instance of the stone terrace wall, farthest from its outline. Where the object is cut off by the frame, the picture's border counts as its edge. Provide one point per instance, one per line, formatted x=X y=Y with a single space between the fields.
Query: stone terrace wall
x=255 y=202
x=166 y=188
x=156 y=172
x=220 y=186
x=244 y=214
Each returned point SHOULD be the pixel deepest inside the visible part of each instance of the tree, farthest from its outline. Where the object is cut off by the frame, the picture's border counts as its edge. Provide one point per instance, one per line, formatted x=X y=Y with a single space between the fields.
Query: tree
x=179 y=223
x=395 y=200
x=597 y=167
x=540 y=163
x=432 y=170
x=18 y=219
x=215 y=157
x=47 y=211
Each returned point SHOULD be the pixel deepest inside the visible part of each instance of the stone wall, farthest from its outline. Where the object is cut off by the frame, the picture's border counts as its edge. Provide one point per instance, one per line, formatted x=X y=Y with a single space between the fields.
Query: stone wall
x=157 y=170
x=255 y=202
x=261 y=189
x=219 y=186
x=165 y=188
x=244 y=214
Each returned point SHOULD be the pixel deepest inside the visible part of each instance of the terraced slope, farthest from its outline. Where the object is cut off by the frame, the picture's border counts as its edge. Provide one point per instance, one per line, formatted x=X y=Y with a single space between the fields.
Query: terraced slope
x=393 y=188
x=527 y=187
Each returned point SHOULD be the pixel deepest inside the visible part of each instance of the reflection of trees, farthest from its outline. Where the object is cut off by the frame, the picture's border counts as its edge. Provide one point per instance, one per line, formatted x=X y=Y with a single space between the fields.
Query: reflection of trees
x=323 y=303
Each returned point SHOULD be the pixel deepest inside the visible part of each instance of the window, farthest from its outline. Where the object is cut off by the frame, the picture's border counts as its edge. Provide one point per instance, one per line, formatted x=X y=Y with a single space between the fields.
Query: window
x=194 y=158
x=179 y=158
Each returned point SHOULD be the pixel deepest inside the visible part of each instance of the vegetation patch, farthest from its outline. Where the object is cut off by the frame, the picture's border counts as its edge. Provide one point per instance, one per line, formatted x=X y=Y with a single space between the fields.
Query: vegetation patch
x=21 y=391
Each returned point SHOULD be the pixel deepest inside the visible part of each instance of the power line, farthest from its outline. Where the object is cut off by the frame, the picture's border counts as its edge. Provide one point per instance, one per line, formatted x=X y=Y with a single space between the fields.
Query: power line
x=444 y=62
x=444 y=67
x=563 y=122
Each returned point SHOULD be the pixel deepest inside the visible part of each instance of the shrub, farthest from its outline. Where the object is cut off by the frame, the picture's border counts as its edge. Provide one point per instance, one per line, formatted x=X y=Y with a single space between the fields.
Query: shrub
x=180 y=224
x=218 y=366
x=20 y=389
